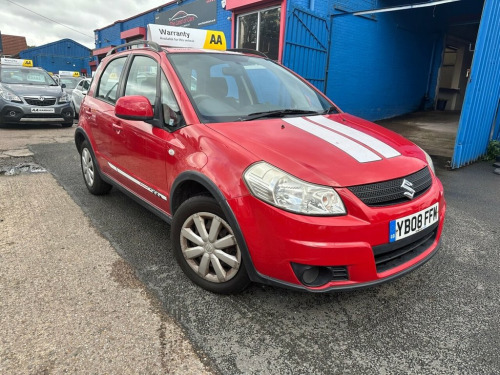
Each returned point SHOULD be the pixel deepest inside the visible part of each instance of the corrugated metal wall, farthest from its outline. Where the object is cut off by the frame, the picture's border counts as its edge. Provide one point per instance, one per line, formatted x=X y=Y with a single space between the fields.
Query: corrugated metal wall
x=306 y=46
x=65 y=54
x=479 y=113
x=384 y=65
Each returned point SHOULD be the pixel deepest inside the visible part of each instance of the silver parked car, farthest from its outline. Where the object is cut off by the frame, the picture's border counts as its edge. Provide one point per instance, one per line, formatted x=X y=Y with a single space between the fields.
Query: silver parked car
x=69 y=83
x=30 y=95
x=79 y=93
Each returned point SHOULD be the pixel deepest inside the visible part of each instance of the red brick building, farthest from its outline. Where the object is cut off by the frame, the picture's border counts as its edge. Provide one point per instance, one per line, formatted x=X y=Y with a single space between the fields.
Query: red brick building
x=11 y=45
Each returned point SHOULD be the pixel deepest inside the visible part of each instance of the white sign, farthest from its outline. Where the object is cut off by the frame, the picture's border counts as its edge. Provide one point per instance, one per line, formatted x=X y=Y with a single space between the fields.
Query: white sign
x=173 y=36
x=33 y=77
x=16 y=62
x=42 y=110
x=68 y=73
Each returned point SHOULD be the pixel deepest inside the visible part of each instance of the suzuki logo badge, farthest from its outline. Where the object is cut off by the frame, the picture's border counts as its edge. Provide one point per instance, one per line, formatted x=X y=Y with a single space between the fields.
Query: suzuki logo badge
x=407 y=185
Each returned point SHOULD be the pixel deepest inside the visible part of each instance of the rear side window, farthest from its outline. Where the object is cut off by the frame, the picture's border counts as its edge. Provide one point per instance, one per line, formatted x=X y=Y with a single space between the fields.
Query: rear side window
x=108 y=85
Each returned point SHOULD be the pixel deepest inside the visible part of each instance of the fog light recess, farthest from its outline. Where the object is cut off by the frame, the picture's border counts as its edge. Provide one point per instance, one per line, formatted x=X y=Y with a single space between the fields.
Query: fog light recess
x=319 y=275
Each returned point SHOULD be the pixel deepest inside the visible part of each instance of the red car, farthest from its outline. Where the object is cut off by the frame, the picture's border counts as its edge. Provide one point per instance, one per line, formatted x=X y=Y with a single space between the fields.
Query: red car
x=261 y=176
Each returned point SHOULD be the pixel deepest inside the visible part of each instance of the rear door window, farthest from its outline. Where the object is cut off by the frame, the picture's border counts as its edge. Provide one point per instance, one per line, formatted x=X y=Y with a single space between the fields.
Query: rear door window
x=110 y=78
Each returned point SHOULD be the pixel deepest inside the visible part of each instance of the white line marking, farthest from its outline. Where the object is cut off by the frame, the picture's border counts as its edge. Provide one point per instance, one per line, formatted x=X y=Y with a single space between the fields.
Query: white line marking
x=354 y=149
x=382 y=148
x=134 y=180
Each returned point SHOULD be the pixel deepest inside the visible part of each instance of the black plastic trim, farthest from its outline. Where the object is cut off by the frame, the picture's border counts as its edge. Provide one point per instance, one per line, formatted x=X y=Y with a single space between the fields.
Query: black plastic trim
x=147 y=43
x=386 y=248
x=248 y=51
x=141 y=201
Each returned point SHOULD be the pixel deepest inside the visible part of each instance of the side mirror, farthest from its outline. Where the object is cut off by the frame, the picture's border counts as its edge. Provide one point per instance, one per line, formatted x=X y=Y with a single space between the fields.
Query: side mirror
x=134 y=107
x=63 y=85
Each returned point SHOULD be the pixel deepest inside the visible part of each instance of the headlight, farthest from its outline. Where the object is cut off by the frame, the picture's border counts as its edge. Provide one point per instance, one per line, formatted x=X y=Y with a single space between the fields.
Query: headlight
x=9 y=96
x=285 y=191
x=64 y=98
x=429 y=160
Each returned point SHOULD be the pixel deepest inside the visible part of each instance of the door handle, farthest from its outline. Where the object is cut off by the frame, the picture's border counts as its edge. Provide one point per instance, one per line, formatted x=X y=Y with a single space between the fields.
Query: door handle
x=117 y=128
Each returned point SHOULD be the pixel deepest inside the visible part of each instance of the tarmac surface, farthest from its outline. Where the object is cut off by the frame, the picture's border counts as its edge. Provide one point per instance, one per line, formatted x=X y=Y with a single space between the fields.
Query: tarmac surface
x=89 y=283
x=435 y=131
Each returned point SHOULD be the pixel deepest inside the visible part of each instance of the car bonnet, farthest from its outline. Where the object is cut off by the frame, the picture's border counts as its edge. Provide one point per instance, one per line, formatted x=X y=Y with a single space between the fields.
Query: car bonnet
x=33 y=90
x=335 y=150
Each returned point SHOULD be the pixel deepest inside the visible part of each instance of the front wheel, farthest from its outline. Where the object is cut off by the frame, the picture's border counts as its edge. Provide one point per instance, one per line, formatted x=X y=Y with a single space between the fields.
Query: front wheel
x=206 y=248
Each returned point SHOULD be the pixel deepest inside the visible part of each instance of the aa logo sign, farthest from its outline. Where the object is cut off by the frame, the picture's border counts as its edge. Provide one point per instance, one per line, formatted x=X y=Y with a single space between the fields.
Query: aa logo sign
x=215 y=40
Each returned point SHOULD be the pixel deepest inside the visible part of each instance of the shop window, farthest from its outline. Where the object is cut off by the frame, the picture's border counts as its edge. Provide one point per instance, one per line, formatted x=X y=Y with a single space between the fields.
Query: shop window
x=260 y=31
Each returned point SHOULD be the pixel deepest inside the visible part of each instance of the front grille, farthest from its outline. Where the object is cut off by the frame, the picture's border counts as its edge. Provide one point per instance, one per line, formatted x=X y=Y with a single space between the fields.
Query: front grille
x=390 y=192
x=35 y=100
x=394 y=254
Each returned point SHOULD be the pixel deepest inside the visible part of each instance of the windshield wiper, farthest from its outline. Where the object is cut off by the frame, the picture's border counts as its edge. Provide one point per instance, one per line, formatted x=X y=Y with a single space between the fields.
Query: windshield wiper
x=330 y=110
x=278 y=113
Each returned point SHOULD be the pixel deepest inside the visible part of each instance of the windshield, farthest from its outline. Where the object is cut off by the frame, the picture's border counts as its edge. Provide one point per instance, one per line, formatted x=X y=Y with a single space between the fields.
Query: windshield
x=70 y=82
x=231 y=87
x=27 y=76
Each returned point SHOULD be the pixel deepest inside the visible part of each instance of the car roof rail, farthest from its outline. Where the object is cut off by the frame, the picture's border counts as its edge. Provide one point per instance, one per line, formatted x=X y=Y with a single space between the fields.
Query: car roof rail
x=248 y=50
x=147 y=43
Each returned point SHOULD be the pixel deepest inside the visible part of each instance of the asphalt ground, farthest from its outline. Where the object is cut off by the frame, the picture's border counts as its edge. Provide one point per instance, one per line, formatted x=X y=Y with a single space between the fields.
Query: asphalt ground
x=441 y=319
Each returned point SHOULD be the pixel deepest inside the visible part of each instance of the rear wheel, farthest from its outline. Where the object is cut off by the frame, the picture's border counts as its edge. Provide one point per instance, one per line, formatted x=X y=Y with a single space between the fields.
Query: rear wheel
x=206 y=248
x=93 y=180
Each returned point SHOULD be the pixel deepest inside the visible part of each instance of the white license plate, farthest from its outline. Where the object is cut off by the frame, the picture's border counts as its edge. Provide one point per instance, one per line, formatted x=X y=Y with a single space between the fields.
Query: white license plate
x=414 y=223
x=42 y=110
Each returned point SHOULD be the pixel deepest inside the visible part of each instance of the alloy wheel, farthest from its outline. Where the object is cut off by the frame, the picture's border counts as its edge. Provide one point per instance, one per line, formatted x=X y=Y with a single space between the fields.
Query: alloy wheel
x=88 y=167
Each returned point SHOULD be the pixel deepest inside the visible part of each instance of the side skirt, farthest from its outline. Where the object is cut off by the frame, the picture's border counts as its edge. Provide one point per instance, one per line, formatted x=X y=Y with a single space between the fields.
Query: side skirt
x=150 y=207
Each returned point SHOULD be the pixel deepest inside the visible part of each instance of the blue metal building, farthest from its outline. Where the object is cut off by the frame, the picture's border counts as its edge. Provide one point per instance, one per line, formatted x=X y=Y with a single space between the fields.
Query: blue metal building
x=374 y=58
x=64 y=54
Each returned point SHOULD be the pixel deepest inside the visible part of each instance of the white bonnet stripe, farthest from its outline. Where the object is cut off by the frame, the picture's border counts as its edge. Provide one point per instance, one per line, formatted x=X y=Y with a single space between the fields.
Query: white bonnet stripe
x=382 y=148
x=352 y=148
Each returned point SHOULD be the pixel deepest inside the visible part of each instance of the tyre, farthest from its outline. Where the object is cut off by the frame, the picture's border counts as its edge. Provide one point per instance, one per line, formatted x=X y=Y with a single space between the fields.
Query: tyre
x=91 y=176
x=206 y=248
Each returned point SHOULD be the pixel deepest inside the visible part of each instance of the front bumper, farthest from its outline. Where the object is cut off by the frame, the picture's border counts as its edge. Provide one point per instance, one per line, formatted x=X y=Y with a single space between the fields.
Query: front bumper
x=14 y=113
x=358 y=242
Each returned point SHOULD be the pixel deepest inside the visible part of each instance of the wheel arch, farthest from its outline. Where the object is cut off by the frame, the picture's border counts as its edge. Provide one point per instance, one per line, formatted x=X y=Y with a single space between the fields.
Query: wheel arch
x=80 y=137
x=192 y=183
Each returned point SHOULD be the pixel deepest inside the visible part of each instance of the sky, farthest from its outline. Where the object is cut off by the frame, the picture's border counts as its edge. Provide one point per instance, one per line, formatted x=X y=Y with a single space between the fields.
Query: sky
x=81 y=16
